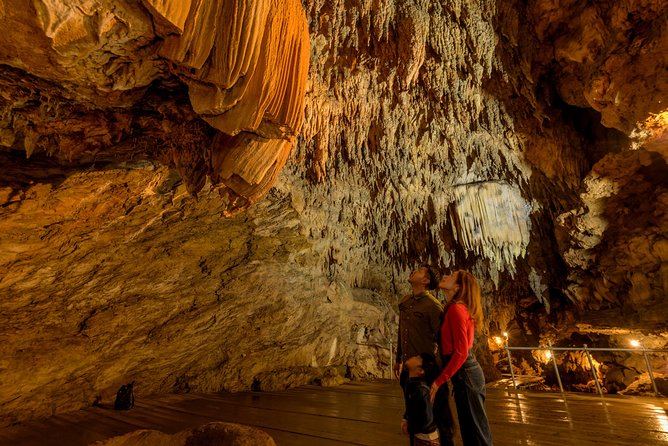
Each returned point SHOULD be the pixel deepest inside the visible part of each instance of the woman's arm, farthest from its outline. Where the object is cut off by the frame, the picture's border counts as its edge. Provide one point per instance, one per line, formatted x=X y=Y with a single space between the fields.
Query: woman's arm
x=456 y=319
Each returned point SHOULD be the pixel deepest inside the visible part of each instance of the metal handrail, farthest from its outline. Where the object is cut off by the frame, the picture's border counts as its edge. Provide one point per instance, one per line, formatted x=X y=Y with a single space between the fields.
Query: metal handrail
x=592 y=349
x=587 y=351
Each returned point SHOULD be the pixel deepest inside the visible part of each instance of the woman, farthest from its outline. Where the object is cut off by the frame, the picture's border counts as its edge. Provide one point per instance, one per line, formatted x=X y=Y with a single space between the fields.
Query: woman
x=462 y=316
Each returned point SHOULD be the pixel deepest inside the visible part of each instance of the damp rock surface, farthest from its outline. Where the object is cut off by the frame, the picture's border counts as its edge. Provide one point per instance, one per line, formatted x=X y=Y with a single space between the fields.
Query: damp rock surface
x=238 y=208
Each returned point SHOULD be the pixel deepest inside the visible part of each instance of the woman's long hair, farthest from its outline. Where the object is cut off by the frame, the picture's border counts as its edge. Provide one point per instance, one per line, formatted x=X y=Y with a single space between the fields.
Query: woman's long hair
x=469 y=295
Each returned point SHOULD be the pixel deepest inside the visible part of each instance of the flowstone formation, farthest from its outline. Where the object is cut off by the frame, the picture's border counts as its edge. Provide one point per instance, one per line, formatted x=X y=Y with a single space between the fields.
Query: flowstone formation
x=523 y=141
x=139 y=79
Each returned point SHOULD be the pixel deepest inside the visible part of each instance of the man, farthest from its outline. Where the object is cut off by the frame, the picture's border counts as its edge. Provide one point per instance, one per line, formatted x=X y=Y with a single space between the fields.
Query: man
x=419 y=327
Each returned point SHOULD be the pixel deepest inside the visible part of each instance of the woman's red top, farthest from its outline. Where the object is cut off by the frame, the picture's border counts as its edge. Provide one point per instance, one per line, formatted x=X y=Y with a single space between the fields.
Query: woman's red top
x=457 y=334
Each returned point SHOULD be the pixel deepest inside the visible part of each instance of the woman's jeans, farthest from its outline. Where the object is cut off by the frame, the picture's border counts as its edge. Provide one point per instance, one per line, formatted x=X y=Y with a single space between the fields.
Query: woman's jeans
x=469 y=389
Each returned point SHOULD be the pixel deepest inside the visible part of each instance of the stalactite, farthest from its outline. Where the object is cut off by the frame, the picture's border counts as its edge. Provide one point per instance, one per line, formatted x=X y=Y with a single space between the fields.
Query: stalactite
x=384 y=155
x=491 y=219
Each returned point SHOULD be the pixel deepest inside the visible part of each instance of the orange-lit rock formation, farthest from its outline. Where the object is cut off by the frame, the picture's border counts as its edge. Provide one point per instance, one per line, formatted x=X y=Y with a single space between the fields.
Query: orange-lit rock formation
x=525 y=141
x=244 y=64
x=247 y=78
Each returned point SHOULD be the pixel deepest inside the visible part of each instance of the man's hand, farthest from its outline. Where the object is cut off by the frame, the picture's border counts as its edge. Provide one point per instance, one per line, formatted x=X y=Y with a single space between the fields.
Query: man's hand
x=432 y=392
x=397 y=370
x=404 y=427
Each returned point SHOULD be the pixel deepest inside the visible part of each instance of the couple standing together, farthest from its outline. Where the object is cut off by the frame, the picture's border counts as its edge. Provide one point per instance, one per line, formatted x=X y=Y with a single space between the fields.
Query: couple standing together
x=433 y=350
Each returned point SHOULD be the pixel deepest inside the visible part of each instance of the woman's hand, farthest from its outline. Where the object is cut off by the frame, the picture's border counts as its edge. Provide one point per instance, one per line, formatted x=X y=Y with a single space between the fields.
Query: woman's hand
x=404 y=427
x=432 y=393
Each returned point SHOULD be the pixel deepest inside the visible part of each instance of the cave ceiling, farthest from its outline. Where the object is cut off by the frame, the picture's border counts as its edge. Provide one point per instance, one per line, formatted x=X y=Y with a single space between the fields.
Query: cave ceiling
x=191 y=189
x=117 y=81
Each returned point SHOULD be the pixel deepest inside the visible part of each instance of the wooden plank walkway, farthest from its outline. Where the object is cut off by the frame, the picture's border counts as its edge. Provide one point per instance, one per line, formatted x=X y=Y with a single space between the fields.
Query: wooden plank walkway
x=361 y=414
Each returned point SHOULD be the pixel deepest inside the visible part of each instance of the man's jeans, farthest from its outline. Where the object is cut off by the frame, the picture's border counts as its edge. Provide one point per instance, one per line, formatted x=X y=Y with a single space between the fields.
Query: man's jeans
x=442 y=413
x=469 y=389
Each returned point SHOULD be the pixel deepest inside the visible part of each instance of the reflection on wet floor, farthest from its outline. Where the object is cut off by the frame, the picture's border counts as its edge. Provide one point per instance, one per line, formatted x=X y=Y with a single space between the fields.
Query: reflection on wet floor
x=363 y=414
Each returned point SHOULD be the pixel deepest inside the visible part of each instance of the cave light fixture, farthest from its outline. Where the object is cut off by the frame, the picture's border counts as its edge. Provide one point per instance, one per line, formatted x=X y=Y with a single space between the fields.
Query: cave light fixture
x=543 y=355
x=638 y=344
x=651 y=132
x=498 y=340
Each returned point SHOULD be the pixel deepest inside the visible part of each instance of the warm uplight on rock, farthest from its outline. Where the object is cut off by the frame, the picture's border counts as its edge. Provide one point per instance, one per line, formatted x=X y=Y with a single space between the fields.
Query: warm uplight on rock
x=652 y=134
x=346 y=143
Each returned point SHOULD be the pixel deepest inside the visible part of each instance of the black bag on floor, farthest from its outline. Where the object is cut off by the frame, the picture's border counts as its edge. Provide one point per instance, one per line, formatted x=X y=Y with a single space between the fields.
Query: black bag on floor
x=125 y=397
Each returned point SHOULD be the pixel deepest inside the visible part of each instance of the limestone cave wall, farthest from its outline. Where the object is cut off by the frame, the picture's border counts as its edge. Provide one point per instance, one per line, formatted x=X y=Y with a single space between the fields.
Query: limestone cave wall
x=210 y=195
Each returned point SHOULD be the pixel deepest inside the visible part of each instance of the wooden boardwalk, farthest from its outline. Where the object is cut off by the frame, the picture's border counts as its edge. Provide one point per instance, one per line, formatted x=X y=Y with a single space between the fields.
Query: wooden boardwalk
x=361 y=414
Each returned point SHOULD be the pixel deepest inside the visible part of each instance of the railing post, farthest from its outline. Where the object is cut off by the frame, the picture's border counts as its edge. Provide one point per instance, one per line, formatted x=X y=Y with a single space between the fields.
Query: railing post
x=510 y=364
x=556 y=369
x=593 y=371
x=391 y=362
x=649 y=370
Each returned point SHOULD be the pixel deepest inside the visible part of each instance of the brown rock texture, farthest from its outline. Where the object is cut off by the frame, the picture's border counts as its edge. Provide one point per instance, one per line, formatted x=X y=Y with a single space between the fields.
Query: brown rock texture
x=223 y=434
x=610 y=56
x=221 y=304
x=525 y=141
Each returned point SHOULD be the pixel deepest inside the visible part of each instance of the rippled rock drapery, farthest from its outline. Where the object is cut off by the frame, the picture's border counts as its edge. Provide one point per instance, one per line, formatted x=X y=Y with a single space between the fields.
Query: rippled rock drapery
x=244 y=64
x=432 y=132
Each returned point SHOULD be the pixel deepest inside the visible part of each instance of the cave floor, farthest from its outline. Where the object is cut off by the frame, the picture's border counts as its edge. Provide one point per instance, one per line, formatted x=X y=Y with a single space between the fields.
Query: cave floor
x=366 y=413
